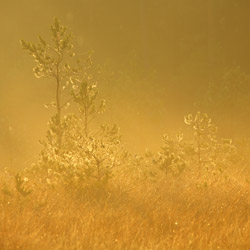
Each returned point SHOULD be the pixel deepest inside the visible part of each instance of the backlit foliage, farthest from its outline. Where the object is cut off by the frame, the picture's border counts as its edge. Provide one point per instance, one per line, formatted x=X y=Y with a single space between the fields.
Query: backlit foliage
x=87 y=191
x=73 y=153
x=204 y=135
x=171 y=159
x=212 y=152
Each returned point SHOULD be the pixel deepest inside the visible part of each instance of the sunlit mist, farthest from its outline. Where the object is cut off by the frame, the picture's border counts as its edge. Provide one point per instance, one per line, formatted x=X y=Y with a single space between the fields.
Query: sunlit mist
x=125 y=124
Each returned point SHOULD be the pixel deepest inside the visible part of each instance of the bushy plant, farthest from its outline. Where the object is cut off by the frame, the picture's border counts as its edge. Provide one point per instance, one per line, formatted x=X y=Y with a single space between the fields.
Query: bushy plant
x=204 y=135
x=86 y=99
x=73 y=153
x=213 y=153
x=54 y=61
x=171 y=158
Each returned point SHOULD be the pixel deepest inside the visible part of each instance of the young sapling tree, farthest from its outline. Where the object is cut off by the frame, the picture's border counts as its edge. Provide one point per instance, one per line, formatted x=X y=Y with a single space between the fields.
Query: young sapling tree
x=204 y=134
x=73 y=152
x=86 y=98
x=53 y=61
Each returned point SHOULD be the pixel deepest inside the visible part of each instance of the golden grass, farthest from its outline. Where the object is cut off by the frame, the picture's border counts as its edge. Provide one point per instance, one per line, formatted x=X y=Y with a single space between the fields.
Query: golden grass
x=187 y=213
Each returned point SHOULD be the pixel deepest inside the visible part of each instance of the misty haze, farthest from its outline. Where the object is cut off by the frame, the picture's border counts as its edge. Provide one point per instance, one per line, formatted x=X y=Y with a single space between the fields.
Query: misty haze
x=125 y=124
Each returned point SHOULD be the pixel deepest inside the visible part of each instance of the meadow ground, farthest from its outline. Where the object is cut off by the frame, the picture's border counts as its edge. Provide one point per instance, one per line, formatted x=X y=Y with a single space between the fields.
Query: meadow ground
x=190 y=212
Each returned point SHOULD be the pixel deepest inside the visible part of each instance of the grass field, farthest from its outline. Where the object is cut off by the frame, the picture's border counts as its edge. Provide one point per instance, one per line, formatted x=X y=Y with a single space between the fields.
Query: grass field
x=189 y=212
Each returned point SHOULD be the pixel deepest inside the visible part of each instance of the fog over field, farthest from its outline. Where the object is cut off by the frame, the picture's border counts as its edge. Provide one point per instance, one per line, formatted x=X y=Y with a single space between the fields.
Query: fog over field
x=159 y=58
x=103 y=100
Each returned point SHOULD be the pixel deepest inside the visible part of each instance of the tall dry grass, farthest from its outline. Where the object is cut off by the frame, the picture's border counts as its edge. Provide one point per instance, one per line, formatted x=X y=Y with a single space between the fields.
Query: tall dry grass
x=191 y=212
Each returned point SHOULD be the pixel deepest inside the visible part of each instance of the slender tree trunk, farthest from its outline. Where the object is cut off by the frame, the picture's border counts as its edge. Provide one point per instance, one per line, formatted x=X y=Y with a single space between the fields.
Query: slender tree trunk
x=199 y=146
x=86 y=112
x=58 y=104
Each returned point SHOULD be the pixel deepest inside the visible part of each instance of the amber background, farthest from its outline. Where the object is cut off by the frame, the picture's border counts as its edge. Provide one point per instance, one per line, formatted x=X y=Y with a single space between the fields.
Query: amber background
x=159 y=57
